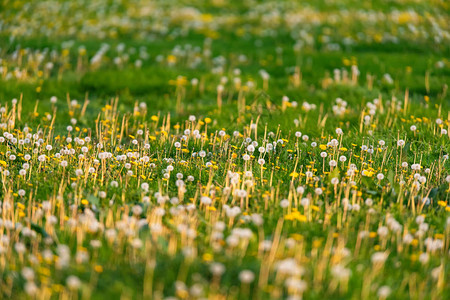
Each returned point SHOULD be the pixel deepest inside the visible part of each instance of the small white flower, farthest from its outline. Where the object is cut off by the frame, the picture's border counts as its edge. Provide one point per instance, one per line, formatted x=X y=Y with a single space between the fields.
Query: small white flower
x=217 y=269
x=400 y=143
x=384 y=292
x=73 y=282
x=284 y=203
x=246 y=276
x=206 y=200
x=305 y=202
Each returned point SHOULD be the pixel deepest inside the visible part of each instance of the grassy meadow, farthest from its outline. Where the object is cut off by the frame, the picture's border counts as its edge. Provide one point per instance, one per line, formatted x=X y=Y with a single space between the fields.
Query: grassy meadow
x=224 y=149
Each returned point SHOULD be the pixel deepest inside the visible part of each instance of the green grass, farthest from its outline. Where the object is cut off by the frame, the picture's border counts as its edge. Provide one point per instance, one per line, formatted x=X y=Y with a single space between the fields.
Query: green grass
x=172 y=253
